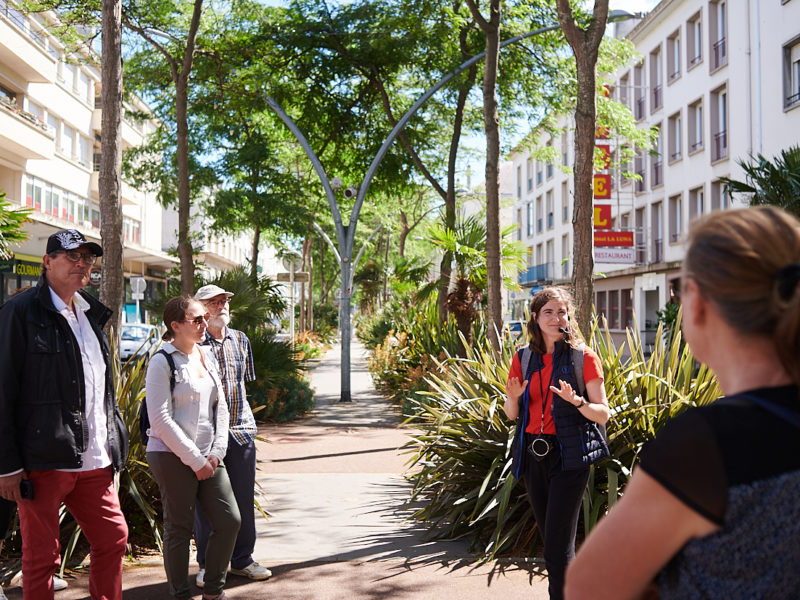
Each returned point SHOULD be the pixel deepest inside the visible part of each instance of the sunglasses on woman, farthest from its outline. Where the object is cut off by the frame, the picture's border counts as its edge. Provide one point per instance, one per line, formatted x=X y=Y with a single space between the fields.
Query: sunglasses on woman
x=198 y=320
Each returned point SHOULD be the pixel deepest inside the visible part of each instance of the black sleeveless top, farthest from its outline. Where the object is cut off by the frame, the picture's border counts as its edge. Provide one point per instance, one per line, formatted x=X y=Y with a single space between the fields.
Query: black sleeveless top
x=738 y=465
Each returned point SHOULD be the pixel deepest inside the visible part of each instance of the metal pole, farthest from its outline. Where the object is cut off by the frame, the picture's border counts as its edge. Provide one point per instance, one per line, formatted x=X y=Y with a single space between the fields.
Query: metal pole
x=291 y=304
x=346 y=235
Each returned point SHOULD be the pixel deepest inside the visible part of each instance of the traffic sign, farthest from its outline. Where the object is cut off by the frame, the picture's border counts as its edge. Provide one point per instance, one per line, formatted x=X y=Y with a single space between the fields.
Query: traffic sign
x=138 y=285
x=299 y=276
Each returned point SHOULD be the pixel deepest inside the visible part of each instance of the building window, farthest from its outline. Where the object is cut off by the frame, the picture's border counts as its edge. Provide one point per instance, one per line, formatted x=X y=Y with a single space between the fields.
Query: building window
x=675 y=219
x=565 y=255
x=657 y=227
x=641 y=237
x=638 y=91
x=67 y=137
x=68 y=72
x=530 y=219
x=627 y=308
x=600 y=305
x=674 y=56
x=564 y=202
x=538 y=173
x=656 y=80
x=564 y=148
x=529 y=173
x=83 y=86
x=695 y=126
x=539 y=223
x=791 y=73
x=656 y=160
x=613 y=309
x=519 y=181
x=717 y=13
x=550 y=215
x=639 y=166
x=719 y=123
x=719 y=199
x=622 y=90
x=696 y=203
x=519 y=224
x=675 y=137
x=694 y=40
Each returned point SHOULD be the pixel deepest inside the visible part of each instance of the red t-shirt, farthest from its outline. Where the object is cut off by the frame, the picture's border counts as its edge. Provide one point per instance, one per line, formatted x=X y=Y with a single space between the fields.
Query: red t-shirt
x=540 y=385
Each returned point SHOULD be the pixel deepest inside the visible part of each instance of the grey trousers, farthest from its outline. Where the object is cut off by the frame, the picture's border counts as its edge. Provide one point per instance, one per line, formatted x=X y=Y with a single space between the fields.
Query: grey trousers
x=180 y=490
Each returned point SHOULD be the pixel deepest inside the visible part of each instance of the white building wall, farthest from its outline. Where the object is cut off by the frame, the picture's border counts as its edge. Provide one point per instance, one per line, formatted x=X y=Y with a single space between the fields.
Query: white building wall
x=743 y=64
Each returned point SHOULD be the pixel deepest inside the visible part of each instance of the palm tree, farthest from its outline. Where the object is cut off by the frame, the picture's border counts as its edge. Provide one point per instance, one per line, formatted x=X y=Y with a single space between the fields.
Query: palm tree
x=775 y=183
x=467 y=244
x=11 y=231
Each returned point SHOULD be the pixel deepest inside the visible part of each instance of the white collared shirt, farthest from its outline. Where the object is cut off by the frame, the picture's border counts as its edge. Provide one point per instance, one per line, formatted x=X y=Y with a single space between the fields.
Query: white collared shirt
x=97 y=454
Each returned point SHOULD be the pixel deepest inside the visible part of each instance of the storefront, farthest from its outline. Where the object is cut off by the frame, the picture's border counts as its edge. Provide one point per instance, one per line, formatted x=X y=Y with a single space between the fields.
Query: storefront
x=18 y=273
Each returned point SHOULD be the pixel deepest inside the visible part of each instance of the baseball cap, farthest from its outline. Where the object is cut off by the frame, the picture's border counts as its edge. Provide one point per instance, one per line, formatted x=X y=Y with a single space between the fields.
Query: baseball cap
x=71 y=239
x=210 y=291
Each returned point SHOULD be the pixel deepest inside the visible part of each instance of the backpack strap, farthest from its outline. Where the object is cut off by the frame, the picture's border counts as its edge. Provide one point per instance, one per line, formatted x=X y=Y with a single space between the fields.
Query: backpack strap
x=171 y=363
x=525 y=360
x=779 y=411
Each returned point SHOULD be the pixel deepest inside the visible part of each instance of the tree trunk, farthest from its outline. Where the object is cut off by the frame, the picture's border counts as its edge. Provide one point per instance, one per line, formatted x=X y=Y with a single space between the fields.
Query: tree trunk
x=450 y=197
x=386 y=270
x=255 y=252
x=112 y=284
x=404 y=231
x=185 y=251
x=491 y=122
x=584 y=45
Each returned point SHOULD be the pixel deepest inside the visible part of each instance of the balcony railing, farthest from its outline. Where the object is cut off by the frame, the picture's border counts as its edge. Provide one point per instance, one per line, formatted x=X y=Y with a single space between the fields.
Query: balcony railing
x=639 y=108
x=698 y=145
x=640 y=183
x=695 y=59
x=533 y=274
x=658 y=250
x=657 y=172
x=793 y=99
x=720 y=53
x=674 y=75
x=656 y=97
x=720 y=145
x=17 y=17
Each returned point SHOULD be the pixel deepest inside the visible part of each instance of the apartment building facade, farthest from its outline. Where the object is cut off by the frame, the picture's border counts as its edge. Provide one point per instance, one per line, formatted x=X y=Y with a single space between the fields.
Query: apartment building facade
x=50 y=153
x=720 y=81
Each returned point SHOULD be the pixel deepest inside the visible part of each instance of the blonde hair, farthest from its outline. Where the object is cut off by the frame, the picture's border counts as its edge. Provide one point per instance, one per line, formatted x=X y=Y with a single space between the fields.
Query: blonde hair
x=747 y=262
x=542 y=297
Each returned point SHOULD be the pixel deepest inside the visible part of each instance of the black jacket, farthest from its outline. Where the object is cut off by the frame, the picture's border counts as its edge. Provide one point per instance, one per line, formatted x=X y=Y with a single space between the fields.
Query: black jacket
x=42 y=398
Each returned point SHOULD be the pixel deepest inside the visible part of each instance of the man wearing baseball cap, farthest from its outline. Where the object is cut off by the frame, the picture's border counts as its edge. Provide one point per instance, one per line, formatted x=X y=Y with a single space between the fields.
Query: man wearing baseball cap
x=62 y=436
x=235 y=358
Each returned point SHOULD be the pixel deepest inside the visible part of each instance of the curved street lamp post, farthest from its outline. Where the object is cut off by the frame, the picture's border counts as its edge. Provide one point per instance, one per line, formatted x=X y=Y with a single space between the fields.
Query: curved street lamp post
x=345 y=234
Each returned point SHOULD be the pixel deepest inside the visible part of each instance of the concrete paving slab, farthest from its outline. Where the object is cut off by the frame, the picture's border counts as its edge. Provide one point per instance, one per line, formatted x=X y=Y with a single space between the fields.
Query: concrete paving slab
x=338 y=526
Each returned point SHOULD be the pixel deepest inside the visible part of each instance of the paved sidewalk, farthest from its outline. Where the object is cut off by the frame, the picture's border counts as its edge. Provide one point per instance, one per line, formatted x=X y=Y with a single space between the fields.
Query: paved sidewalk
x=333 y=486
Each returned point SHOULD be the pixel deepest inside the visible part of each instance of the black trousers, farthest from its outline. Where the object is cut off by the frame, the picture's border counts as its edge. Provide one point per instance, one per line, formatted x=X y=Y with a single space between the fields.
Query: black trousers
x=555 y=497
x=7 y=509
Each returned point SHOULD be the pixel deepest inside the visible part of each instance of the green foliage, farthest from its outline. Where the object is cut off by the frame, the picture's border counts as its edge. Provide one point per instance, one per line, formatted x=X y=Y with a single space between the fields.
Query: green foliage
x=11 y=226
x=463 y=454
x=280 y=392
x=774 y=183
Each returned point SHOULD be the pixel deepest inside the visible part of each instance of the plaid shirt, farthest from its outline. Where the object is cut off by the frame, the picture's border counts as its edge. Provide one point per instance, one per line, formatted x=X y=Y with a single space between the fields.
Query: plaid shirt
x=235 y=359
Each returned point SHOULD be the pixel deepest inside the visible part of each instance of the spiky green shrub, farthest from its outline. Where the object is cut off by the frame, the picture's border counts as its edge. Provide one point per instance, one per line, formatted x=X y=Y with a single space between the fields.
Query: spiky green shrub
x=461 y=460
x=280 y=391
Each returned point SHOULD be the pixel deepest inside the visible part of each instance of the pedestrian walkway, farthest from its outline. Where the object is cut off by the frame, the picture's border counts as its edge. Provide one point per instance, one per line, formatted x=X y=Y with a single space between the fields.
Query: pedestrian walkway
x=338 y=527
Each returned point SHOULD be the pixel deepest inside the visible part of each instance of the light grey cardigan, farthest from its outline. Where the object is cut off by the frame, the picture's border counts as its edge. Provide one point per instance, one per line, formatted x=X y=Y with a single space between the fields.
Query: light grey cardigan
x=174 y=416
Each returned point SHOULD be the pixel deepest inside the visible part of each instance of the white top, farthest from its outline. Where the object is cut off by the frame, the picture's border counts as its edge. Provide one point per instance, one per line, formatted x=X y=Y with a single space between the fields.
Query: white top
x=175 y=418
x=97 y=455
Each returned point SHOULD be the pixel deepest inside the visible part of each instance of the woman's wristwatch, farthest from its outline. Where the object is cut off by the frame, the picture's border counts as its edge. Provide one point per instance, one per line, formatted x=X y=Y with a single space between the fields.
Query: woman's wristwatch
x=582 y=404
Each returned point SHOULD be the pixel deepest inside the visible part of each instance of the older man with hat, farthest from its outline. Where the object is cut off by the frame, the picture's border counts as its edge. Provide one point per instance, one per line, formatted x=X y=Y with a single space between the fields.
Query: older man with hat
x=62 y=437
x=235 y=357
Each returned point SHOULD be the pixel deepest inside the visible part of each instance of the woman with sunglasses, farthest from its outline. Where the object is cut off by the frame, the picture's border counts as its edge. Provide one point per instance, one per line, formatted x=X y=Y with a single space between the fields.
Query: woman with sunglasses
x=712 y=511
x=188 y=438
x=557 y=436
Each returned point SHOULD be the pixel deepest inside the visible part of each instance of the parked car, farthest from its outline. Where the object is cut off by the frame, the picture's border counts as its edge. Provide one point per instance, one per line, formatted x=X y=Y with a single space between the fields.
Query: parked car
x=515 y=328
x=137 y=339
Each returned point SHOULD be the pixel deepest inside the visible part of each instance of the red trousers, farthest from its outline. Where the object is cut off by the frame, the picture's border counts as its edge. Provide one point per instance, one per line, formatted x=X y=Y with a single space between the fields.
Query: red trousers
x=91 y=498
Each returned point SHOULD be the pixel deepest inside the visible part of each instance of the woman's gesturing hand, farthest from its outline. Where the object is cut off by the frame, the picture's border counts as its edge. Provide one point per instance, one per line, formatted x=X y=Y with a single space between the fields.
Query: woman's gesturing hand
x=514 y=388
x=566 y=392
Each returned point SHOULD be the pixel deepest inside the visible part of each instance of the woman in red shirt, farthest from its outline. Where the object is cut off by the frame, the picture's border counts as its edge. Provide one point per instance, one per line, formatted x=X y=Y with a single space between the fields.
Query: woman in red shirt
x=557 y=435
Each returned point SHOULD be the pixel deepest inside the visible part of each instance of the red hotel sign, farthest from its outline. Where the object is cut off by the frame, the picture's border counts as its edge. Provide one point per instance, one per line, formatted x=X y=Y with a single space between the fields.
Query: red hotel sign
x=602 y=186
x=602 y=216
x=613 y=238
